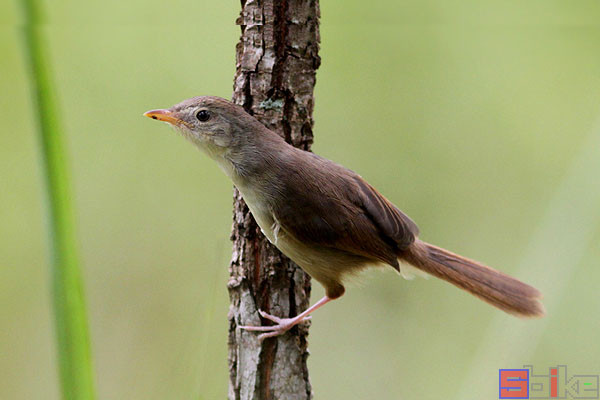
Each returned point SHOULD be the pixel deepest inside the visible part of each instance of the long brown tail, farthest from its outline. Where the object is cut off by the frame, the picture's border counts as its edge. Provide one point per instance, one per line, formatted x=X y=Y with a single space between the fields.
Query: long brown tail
x=494 y=287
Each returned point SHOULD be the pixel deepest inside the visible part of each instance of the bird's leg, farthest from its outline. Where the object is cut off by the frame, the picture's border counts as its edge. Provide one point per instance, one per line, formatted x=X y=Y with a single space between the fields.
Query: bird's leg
x=284 y=324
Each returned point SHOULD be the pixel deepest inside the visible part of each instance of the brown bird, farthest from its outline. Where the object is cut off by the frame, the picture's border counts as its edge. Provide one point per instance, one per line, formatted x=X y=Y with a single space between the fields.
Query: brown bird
x=325 y=217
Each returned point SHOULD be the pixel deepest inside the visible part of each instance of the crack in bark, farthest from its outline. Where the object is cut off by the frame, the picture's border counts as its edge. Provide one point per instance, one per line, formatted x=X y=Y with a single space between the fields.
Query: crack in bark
x=280 y=35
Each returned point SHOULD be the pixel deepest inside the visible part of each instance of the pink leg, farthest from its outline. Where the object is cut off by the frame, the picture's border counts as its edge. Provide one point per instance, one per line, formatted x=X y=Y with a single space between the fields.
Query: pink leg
x=284 y=324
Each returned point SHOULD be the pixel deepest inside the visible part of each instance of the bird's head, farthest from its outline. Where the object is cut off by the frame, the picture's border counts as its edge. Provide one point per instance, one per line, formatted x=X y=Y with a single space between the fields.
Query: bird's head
x=213 y=124
x=225 y=131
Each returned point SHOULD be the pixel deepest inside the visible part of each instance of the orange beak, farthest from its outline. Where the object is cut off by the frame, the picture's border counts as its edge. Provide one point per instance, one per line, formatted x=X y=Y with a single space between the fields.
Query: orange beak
x=164 y=115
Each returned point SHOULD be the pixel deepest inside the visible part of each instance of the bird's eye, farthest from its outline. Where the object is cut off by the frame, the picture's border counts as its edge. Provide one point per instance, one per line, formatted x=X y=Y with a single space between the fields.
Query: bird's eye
x=202 y=115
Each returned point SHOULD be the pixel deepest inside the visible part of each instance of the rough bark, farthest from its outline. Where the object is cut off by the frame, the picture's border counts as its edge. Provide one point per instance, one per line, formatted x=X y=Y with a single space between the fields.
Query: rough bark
x=276 y=62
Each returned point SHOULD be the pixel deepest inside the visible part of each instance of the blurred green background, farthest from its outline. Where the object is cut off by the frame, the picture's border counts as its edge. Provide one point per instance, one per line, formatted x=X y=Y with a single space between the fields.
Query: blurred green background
x=481 y=120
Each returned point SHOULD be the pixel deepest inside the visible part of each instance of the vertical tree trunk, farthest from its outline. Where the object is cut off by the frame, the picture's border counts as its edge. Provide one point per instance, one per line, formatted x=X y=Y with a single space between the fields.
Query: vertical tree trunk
x=277 y=58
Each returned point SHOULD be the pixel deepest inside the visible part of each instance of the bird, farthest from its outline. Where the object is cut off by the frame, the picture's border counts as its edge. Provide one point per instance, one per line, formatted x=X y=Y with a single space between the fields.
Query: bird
x=325 y=217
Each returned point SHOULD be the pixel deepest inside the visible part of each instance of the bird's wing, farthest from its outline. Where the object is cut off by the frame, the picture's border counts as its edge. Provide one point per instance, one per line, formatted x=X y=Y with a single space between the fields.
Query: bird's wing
x=344 y=212
x=392 y=222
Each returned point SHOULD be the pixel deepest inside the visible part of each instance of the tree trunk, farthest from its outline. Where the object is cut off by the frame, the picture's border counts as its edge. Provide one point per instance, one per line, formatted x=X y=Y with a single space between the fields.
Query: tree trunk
x=276 y=62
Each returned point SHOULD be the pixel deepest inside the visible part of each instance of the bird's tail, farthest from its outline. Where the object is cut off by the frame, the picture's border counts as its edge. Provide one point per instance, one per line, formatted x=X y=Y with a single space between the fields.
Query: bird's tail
x=494 y=287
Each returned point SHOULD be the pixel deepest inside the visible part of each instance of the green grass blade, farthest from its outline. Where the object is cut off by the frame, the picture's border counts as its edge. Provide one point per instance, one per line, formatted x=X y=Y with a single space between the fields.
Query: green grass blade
x=74 y=353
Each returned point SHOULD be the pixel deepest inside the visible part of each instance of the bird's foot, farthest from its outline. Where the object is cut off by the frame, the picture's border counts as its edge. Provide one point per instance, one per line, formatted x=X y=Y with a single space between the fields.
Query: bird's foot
x=282 y=325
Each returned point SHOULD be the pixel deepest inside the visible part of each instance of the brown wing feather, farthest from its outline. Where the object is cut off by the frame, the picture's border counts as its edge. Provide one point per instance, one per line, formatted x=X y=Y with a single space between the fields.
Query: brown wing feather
x=393 y=223
x=343 y=212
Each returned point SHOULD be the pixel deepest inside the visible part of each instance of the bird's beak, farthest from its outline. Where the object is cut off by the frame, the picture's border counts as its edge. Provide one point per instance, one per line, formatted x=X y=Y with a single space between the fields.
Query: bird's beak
x=164 y=115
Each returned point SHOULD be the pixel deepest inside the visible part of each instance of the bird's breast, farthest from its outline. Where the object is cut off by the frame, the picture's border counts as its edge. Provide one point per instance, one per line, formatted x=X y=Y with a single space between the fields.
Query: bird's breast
x=261 y=211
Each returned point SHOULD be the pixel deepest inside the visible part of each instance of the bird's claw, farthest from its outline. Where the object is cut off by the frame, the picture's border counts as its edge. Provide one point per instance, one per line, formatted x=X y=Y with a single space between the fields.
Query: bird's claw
x=270 y=317
x=282 y=325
